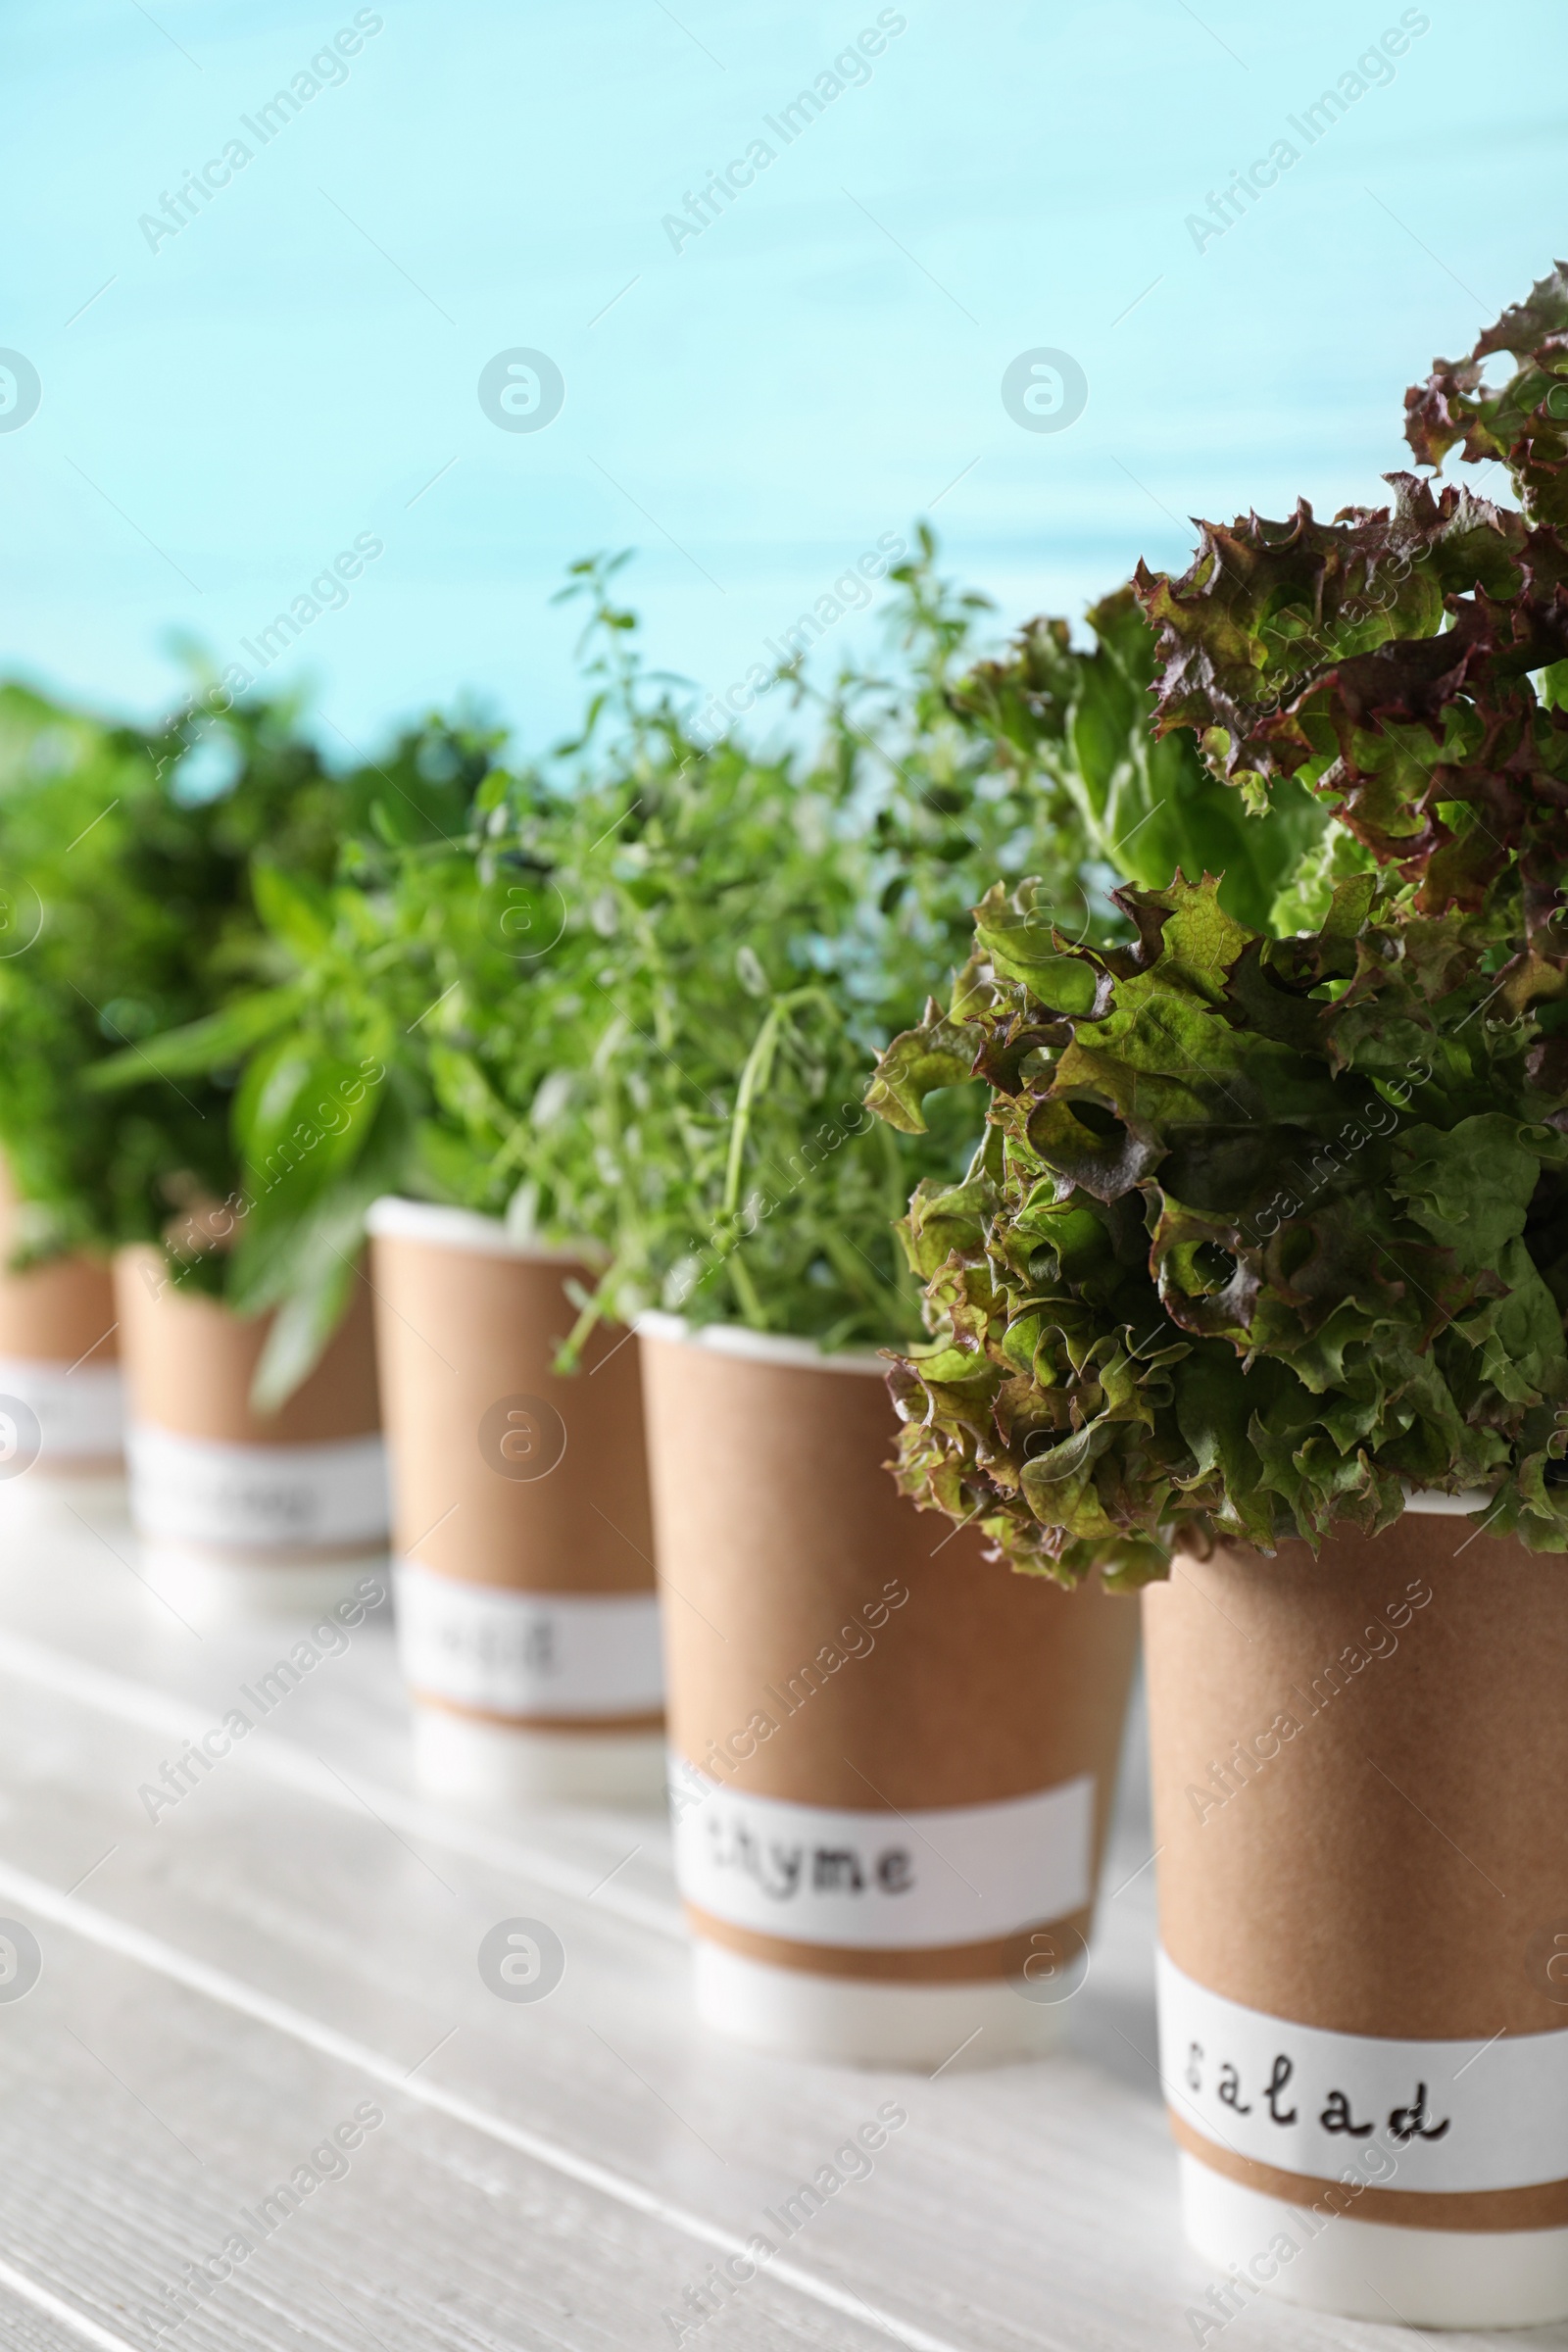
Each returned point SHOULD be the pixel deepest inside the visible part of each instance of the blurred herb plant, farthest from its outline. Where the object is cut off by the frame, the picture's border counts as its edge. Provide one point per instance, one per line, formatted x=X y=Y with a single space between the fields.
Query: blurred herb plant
x=297 y=1134
x=150 y=881
x=632 y=1002
x=125 y=866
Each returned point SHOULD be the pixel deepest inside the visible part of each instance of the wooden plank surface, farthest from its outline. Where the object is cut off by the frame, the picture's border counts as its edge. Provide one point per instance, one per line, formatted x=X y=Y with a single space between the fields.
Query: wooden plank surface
x=298 y=1936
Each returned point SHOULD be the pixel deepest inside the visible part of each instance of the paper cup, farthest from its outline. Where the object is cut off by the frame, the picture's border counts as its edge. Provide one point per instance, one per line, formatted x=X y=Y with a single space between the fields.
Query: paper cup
x=1358 y=1764
x=60 y=1406
x=237 y=1512
x=528 y=1616
x=892 y=1760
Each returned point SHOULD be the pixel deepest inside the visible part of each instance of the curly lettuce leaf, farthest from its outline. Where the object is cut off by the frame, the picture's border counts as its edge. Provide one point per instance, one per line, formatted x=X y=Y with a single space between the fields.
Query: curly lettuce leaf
x=1236 y=1263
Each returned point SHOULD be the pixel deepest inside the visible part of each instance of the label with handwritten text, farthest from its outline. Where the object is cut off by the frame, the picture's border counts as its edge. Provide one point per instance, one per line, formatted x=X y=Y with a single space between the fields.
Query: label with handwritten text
x=80 y=1407
x=883 y=1881
x=268 y=1498
x=509 y=1652
x=1455 y=2115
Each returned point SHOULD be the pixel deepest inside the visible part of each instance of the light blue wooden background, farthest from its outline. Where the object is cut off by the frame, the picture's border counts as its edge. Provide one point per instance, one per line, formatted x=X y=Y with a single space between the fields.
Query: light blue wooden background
x=813 y=370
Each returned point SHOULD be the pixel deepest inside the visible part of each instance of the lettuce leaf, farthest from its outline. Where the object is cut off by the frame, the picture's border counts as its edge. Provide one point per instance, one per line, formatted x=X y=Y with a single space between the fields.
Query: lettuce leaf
x=1250 y=1248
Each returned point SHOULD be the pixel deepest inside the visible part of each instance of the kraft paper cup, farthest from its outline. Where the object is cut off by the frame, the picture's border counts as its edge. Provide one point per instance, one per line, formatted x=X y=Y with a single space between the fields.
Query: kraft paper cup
x=527 y=1615
x=1359 y=1766
x=238 y=1513
x=892 y=1761
x=60 y=1405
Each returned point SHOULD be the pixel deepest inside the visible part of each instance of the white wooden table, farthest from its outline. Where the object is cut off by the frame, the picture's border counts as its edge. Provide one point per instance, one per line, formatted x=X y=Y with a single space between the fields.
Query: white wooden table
x=298 y=1936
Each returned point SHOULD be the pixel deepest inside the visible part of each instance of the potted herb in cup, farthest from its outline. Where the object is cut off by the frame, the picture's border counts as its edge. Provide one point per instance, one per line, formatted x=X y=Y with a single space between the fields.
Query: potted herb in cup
x=65 y=782
x=1255 y=1297
x=522 y=1551
x=887 y=1813
x=252 y=1446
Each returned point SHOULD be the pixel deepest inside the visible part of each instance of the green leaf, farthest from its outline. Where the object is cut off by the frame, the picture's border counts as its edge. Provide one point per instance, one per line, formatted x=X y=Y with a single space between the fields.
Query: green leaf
x=294 y=909
x=216 y=1041
x=918 y=1063
x=302 y=1327
x=1018 y=932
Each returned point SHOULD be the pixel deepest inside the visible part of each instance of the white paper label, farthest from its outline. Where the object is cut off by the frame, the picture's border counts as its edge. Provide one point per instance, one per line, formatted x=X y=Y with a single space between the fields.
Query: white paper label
x=280 y=1498
x=79 y=1410
x=587 y=1654
x=1439 y=2115
x=883 y=1881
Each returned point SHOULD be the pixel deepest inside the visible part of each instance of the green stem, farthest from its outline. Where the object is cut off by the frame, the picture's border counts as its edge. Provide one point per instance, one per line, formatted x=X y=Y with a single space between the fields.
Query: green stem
x=569 y=1355
x=755 y=1076
x=758 y=1063
x=745 y=1290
